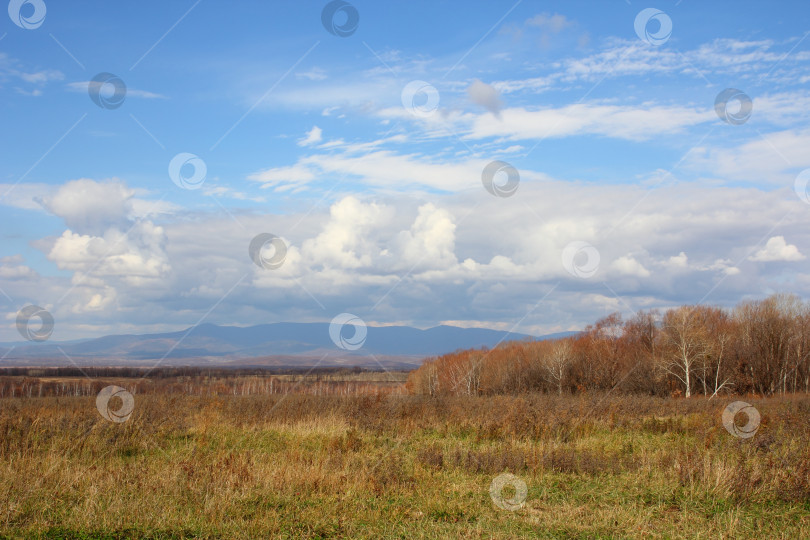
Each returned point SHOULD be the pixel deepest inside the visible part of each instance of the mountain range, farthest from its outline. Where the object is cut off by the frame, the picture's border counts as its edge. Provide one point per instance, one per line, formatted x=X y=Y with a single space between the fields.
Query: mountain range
x=277 y=344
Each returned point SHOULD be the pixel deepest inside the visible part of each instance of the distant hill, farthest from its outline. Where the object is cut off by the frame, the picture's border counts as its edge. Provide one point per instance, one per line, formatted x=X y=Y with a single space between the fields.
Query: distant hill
x=272 y=344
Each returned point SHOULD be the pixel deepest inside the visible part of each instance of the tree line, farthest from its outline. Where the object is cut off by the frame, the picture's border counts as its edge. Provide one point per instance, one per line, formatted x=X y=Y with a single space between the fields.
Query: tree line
x=759 y=346
x=173 y=372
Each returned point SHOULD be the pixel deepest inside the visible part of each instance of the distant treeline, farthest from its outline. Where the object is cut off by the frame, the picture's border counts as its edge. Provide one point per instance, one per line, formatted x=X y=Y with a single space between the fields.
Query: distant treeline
x=174 y=372
x=75 y=381
x=760 y=347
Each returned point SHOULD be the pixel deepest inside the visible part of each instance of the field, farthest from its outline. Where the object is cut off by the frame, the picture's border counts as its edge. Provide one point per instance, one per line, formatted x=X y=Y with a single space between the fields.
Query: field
x=398 y=466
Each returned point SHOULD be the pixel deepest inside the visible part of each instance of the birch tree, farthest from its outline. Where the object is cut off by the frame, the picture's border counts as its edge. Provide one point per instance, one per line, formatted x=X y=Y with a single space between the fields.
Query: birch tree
x=687 y=346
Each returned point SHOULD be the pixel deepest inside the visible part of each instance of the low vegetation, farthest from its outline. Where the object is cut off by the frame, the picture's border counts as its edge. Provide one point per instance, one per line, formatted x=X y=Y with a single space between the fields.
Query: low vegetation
x=398 y=466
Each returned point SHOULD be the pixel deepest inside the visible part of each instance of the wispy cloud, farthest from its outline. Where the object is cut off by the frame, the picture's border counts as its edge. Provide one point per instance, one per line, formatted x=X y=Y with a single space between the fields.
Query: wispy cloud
x=82 y=86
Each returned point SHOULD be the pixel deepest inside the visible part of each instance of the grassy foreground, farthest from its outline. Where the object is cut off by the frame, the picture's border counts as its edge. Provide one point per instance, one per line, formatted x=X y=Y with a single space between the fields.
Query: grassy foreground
x=402 y=467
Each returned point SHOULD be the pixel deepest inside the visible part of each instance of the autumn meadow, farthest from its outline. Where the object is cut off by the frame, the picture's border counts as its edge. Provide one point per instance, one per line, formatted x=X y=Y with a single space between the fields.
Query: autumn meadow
x=619 y=432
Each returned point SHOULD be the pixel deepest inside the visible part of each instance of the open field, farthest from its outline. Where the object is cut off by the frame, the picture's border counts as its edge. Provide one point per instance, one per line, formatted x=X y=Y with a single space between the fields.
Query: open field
x=396 y=466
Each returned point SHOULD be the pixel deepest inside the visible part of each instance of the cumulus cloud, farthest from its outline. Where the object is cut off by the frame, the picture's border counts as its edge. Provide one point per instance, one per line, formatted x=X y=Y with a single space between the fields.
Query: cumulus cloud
x=776 y=249
x=679 y=261
x=110 y=245
x=131 y=256
x=90 y=206
x=415 y=258
x=430 y=242
x=627 y=265
x=346 y=238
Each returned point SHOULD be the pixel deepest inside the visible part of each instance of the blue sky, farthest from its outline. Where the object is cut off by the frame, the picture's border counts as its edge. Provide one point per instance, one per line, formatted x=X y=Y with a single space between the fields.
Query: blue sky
x=625 y=167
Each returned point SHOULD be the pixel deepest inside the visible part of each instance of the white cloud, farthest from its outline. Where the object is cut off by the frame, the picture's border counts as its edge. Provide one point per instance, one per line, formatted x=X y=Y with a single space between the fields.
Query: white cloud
x=134 y=92
x=381 y=168
x=133 y=256
x=627 y=265
x=82 y=86
x=35 y=93
x=314 y=74
x=104 y=247
x=542 y=28
x=743 y=59
x=630 y=122
x=346 y=239
x=87 y=205
x=771 y=158
x=776 y=249
x=24 y=195
x=14 y=69
x=100 y=301
x=12 y=268
x=42 y=77
x=430 y=242
x=424 y=259
x=616 y=121
x=223 y=191
x=404 y=221
x=554 y=23
x=314 y=136
x=534 y=84
x=679 y=261
x=297 y=174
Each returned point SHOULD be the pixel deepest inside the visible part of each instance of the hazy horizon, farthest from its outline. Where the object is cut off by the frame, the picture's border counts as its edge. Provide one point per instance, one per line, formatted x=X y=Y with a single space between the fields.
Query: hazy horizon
x=22 y=339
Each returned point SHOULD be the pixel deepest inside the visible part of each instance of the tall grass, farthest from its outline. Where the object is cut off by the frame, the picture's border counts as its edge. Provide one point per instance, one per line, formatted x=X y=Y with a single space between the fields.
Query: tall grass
x=401 y=467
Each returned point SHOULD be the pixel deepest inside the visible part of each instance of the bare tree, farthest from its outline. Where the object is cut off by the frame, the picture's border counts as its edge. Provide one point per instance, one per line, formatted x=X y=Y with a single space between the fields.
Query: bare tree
x=768 y=334
x=687 y=345
x=433 y=379
x=721 y=345
x=557 y=362
x=718 y=329
x=465 y=376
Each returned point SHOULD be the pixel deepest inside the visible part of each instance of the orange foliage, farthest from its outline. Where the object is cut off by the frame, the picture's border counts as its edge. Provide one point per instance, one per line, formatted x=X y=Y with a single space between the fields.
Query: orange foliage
x=761 y=346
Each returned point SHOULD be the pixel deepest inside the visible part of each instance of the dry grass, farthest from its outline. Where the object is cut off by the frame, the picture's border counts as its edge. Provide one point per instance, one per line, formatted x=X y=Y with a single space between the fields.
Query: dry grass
x=401 y=467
